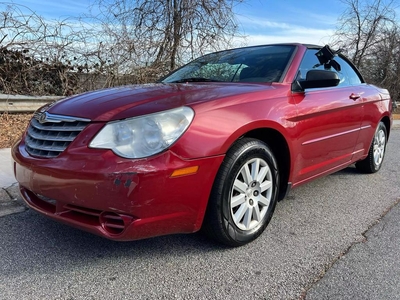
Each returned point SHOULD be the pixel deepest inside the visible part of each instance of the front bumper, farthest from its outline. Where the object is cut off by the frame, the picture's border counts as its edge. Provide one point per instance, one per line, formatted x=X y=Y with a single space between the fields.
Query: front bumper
x=117 y=198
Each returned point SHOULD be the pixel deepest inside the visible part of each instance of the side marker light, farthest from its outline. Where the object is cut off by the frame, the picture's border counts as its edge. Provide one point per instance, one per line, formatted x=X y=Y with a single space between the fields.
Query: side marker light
x=185 y=171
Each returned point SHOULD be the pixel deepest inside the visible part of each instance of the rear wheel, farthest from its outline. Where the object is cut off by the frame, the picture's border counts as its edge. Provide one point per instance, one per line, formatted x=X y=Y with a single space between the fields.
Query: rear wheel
x=244 y=194
x=373 y=162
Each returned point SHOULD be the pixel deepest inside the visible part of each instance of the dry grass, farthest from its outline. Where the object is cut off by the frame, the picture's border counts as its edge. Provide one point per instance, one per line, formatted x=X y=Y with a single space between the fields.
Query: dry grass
x=11 y=128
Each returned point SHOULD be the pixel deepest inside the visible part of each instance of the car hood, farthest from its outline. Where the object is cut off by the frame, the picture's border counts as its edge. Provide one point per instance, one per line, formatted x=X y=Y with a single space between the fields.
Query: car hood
x=130 y=101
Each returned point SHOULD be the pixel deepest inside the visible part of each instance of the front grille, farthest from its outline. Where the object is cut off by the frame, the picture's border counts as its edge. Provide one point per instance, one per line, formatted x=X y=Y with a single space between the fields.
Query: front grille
x=48 y=135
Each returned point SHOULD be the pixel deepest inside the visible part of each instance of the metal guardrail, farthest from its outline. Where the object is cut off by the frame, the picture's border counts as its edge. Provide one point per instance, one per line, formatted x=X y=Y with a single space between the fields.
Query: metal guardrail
x=23 y=104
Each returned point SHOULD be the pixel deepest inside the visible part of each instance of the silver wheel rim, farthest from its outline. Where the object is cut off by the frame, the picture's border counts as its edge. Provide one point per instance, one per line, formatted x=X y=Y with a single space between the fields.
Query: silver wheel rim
x=251 y=194
x=379 y=146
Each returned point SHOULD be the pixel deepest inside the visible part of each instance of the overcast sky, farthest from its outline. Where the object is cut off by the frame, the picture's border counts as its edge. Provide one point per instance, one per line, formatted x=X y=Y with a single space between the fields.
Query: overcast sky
x=263 y=21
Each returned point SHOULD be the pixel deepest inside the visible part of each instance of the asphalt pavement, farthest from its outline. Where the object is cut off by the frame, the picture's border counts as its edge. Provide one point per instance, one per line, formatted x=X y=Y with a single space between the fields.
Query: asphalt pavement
x=366 y=269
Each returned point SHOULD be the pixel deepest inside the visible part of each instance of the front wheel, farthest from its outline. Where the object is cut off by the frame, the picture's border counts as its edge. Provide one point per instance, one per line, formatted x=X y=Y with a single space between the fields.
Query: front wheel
x=244 y=194
x=373 y=162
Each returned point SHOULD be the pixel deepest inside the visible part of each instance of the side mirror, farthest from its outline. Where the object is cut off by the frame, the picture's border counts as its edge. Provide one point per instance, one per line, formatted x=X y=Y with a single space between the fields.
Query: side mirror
x=316 y=79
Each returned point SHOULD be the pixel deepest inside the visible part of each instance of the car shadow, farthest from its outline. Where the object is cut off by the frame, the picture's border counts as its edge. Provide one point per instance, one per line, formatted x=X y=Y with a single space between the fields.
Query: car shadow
x=350 y=170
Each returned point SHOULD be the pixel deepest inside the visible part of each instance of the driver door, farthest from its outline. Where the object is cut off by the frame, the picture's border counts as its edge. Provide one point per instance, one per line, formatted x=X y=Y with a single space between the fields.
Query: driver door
x=328 y=122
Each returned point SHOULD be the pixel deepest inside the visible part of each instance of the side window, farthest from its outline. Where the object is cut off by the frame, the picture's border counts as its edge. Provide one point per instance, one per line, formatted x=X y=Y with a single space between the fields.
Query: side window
x=347 y=75
x=352 y=76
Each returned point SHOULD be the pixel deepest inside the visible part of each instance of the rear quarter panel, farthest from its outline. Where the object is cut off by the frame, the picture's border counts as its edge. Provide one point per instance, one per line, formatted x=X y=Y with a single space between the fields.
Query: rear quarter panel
x=376 y=108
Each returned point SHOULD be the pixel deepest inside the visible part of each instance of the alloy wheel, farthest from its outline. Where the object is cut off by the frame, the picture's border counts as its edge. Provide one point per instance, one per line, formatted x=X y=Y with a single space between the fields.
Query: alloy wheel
x=251 y=194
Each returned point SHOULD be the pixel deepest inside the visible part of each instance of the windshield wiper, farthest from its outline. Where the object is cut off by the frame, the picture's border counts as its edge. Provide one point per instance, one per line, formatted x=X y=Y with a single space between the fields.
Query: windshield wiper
x=195 y=79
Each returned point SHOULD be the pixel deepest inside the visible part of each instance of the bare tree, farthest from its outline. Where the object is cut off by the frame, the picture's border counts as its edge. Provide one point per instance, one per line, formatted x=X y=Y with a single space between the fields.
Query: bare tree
x=165 y=33
x=362 y=26
x=32 y=52
x=39 y=56
x=121 y=42
x=368 y=32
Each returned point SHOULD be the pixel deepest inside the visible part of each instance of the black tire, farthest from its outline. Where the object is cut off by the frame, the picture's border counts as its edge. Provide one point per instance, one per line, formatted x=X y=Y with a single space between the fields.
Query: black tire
x=373 y=162
x=241 y=206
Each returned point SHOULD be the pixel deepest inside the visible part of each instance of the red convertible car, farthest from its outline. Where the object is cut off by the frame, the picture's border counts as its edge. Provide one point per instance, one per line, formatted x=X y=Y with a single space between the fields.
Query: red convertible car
x=212 y=146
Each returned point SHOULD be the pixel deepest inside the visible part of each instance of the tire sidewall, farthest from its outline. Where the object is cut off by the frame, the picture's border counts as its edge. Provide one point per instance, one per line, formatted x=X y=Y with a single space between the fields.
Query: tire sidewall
x=257 y=150
x=374 y=166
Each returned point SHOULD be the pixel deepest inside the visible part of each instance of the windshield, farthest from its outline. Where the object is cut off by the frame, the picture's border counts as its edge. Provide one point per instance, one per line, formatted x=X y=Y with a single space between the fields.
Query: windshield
x=252 y=64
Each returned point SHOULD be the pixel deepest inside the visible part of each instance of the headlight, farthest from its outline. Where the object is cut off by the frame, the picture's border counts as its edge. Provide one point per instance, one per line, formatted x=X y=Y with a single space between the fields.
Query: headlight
x=146 y=135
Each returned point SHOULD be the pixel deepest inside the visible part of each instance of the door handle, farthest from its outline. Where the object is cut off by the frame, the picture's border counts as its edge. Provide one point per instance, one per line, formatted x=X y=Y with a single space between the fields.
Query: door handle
x=354 y=96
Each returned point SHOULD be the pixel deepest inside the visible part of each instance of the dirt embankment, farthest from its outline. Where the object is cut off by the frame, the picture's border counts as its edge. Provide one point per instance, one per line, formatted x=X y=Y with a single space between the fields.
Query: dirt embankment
x=11 y=128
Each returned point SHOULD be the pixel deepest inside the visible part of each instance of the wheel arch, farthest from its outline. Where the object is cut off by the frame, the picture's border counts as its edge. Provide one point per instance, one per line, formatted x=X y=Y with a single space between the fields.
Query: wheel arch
x=280 y=148
x=386 y=121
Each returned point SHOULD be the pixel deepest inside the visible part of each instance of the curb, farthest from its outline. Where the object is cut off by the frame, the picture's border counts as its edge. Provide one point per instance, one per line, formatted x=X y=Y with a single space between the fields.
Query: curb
x=11 y=201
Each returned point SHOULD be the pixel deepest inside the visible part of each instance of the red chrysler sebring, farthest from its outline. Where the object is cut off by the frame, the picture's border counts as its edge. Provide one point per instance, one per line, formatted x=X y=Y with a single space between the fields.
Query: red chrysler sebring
x=212 y=146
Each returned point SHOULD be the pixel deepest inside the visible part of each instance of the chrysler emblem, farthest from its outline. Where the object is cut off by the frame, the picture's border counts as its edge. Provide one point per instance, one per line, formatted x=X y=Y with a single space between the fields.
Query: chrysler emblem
x=42 y=118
